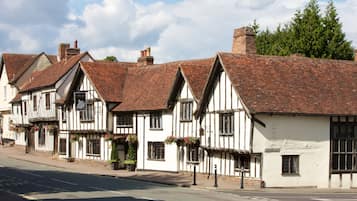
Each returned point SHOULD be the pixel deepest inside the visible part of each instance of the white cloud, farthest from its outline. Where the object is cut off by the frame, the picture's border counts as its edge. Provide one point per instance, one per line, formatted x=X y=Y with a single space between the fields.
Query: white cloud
x=177 y=30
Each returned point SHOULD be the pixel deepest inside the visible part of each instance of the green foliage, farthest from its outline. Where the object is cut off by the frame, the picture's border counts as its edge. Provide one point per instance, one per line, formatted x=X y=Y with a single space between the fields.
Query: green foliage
x=114 y=154
x=309 y=33
x=129 y=162
x=131 y=151
x=111 y=58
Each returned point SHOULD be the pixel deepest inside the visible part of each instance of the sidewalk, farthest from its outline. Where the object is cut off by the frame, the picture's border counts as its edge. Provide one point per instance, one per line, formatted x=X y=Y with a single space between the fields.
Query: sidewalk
x=102 y=168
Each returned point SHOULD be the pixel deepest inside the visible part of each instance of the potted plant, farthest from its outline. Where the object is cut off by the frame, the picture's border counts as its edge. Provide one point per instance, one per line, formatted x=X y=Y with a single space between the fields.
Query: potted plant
x=170 y=139
x=131 y=159
x=114 y=159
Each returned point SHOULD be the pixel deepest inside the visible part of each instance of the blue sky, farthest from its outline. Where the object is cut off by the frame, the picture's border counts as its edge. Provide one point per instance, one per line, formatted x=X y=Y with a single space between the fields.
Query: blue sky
x=175 y=29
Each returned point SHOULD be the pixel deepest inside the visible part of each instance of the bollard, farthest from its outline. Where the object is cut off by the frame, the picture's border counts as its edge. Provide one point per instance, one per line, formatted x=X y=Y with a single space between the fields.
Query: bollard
x=194 y=175
x=242 y=178
x=215 y=176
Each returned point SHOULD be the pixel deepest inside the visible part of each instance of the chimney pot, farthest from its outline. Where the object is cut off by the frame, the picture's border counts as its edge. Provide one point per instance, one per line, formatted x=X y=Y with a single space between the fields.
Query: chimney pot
x=244 y=41
x=145 y=59
x=75 y=44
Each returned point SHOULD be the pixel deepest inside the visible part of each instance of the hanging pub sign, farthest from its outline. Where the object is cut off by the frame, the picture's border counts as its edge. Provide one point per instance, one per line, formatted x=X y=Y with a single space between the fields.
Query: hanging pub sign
x=80 y=100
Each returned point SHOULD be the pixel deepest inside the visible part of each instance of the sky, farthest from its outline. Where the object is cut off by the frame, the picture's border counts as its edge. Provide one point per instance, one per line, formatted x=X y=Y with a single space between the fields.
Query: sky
x=174 y=29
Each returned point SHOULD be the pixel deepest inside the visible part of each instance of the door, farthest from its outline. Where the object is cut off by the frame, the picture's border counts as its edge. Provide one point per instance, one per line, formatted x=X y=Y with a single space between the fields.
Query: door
x=55 y=141
x=121 y=154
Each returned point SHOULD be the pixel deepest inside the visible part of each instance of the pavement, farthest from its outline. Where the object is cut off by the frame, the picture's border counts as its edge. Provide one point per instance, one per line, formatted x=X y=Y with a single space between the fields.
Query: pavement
x=101 y=168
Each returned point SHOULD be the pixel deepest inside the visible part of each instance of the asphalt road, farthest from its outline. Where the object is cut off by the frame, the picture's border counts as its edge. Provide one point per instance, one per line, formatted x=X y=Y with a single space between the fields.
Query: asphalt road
x=39 y=182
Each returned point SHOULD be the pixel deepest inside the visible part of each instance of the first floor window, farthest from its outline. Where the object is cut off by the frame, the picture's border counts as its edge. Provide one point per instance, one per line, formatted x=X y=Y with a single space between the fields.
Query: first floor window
x=344 y=144
x=63 y=114
x=156 y=151
x=186 y=111
x=93 y=147
x=34 y=103
x=290 y=164
x=156 y=120
x=41 y=136
x=48 y=101
x=192 y=153
x=242 y=161
x=25 y=108
x=125 y=120
x=80 y=100
x=62 y=146
x=87 y=114
x=226 y=123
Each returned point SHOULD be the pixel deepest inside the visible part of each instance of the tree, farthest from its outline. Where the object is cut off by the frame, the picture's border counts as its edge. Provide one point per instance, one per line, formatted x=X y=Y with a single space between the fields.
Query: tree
x=111 y=58
x=309 y=33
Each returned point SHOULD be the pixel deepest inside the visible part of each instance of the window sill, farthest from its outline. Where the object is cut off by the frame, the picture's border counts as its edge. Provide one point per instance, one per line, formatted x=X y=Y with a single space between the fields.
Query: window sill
x=87 y=121
x=95 y=155
x=124 y=126
x=226 y=134
x=159 y=160
x=290 y=174
x=156 y=129
x=185 y=121
x=62 y=153
x=193 y=162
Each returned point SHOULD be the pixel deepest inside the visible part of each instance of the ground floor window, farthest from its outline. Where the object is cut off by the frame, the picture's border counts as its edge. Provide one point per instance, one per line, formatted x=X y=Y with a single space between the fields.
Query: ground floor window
x=344 y=144
x=242 y=160
x=93 y=147
x=41 y=136
x=290 y=164
x=192 y=153
x=62 y=146
x=156 y=151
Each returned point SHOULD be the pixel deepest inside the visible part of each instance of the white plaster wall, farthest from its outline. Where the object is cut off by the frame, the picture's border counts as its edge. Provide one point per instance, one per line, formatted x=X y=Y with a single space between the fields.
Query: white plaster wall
x=145 y=135
x=305 y=136
x=10 y=91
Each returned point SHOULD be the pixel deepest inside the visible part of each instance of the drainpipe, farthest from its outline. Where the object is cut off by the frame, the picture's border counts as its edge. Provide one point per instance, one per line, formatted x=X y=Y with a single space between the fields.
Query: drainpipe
x=143 y=142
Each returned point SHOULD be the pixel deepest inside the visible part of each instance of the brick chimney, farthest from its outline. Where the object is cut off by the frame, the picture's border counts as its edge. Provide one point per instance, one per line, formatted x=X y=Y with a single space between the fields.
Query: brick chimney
x=70 y=52
x=62 y=50
x=244 y=41
x=145 y=58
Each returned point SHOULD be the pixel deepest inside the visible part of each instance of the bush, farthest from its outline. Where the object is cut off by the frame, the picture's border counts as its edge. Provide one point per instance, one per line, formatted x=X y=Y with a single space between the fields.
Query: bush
x=114 y=154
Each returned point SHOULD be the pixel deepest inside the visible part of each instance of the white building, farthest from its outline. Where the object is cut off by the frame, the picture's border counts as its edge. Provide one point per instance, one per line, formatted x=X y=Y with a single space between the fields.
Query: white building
x=40 y=94
x=15 y=73
x=290 y=121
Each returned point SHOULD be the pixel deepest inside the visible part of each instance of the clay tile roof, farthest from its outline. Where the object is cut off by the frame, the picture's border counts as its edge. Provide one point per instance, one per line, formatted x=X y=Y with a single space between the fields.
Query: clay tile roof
x=299 y=85
x=52 y=74
x=196 y=74
x=17 y=63
x=16 y=99
x=148 y=88
x=108 y=78
x=52 y=58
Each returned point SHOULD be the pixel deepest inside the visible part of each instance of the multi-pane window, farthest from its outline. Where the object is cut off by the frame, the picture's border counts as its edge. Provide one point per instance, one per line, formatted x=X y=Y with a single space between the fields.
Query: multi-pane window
x=226 y=123
x=290 y=164
x=48 y=101
x=34 y=102
x=41 y=136
x=87 y=114
x=125 y=120
x=192 y=153
x=186 y=111
x=93 y=147
x=62 y=146
x=156 y=151
x=156 y=120
x=25 y=108
x=242 y=161
x=344 y=144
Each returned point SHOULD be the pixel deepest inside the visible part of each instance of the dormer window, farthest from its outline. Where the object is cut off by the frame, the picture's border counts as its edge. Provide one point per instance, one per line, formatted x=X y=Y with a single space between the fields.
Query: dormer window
x=80 y=100
x=186 y=110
